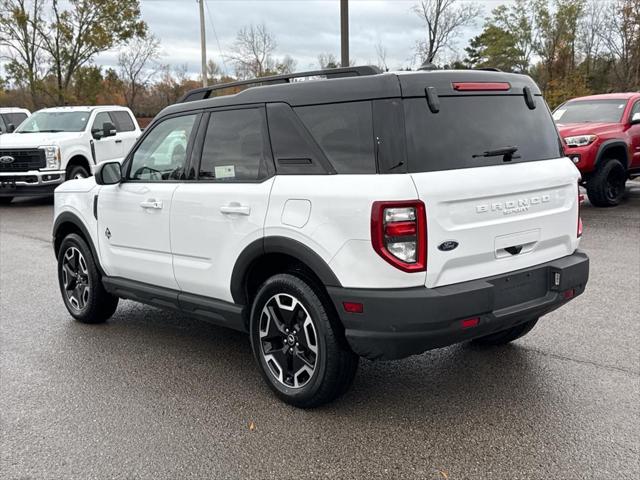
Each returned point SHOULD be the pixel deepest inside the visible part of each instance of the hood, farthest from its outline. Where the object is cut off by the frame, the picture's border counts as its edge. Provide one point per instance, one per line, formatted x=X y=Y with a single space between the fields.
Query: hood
x=590 y=128
x=80 y=185
x=34 y=140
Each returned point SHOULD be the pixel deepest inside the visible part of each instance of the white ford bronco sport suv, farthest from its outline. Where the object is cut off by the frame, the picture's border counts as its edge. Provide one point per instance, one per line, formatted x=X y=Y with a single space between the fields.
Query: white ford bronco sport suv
x=57 y=144
x=360 y=214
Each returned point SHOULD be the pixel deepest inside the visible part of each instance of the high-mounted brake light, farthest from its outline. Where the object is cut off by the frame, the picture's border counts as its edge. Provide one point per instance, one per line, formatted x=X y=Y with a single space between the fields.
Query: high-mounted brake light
x=481 y=86
x=399 y=234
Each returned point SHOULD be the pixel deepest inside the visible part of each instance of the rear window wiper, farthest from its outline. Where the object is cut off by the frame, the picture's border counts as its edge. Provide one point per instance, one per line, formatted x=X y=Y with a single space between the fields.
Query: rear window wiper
x=505 y=152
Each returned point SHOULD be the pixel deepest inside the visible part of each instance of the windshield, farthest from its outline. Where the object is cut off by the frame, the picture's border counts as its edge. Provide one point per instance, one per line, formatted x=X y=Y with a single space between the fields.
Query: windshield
x=587 y=111
x=55 y=122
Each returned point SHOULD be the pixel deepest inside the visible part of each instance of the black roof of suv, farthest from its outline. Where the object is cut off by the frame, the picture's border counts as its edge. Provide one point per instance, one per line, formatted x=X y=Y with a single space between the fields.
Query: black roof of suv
x=348 y=84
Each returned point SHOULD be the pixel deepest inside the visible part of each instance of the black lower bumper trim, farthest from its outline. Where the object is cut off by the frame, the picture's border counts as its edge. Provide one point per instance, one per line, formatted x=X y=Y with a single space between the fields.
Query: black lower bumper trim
x=396 y=323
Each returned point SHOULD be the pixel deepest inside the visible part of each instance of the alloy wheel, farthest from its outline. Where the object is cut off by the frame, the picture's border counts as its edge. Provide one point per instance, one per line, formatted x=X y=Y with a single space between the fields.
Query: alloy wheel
x=288 y=340
x=75 y=278
x=615 y=184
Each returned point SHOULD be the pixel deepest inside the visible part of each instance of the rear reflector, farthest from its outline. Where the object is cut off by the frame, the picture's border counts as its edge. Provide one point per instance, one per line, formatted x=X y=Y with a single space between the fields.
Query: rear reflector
x=481 y=86
x=569 y=294
x=400 y=229
x=353 y=307
x=470 y=322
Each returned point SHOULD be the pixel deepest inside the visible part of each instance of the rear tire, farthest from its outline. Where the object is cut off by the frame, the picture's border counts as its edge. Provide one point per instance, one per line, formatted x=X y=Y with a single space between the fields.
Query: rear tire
x=297 y=344
x=506 y=336
x=5 y=200
x=81 y=284
x=606 y=186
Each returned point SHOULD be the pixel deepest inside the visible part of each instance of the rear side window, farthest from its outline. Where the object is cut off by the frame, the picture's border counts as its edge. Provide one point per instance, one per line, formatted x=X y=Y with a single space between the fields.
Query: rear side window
x=344 y=131
x=122 y=121
x=236 y=147
x=468 y=126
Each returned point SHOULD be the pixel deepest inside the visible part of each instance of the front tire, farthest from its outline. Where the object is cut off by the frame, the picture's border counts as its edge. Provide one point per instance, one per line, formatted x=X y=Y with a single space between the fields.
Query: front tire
x=77 y=172
x=506 y=336
x=607 y=185
x=80 y=283
x=296 y=341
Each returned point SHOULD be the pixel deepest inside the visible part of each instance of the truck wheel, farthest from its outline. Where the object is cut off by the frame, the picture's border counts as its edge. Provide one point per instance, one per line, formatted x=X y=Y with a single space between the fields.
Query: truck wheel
x=5 y=200
x=80 y=284
x=77 y=171
x=506 y=336
x=606 y=187
x=302 y=355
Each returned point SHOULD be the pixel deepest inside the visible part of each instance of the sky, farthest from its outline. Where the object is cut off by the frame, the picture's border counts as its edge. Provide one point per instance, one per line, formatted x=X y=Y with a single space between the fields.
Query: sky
x=302 y=29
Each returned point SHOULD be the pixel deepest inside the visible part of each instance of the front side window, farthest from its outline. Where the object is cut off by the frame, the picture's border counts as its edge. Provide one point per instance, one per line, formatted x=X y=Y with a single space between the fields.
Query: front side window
x=236 y=147
x=47 y=121
x=100 y=120
x=162 y=154
x=344 y=131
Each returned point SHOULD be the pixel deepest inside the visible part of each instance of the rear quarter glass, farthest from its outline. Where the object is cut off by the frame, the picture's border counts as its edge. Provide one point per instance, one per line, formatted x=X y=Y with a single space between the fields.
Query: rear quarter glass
x=470 y=125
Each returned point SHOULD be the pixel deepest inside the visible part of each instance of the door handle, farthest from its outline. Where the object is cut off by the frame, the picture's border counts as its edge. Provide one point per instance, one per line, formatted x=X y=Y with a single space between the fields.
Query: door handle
x=118 y=141
x=151 y=204
x=235 y=207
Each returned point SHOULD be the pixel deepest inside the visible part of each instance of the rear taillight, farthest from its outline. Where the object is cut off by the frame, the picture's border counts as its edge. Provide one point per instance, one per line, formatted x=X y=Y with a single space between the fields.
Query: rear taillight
x=481 y=86
x=580 y=201
x=399 y=234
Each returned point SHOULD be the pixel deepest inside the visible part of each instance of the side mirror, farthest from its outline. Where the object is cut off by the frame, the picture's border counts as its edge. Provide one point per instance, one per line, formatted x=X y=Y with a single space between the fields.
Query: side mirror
x=635 y=119
x=108 y=129
x=108 y=173
x=11 y=128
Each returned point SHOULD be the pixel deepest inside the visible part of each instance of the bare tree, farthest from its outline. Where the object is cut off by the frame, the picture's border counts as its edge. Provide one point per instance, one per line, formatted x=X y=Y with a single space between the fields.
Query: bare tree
x=327 y=60
x=20 y=22
x=287 y=65
x=621 y=35
x=589 y=28
x=252 y=51
x=137 y=66
x=381 y=53
x=214 y=72
x=443 y=20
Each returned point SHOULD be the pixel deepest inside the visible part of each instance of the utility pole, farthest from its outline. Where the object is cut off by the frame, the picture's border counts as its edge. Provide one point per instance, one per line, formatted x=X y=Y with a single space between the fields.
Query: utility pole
x=203 y=44
x=344 y=33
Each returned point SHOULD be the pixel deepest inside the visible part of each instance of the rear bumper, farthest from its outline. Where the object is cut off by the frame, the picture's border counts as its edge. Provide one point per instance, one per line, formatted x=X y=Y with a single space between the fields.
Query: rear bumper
x=396 y=323
x=30 y=183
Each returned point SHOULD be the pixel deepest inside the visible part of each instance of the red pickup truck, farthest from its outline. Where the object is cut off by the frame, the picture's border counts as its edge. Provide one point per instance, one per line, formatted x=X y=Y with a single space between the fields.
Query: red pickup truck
x=601 y=134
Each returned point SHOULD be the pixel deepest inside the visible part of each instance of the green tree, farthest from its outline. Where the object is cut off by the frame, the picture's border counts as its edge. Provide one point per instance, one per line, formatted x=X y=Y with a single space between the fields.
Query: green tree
x=20 y=21
x=495 y=48
x=75 y=35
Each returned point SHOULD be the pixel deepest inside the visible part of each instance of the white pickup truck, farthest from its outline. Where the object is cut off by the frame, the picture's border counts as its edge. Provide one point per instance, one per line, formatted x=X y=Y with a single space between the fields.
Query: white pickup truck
x=57 y=144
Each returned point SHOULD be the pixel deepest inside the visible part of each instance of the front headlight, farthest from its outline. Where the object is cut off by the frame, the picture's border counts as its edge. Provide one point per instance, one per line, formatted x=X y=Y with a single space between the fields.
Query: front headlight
x=52 y=154
x=580 y=140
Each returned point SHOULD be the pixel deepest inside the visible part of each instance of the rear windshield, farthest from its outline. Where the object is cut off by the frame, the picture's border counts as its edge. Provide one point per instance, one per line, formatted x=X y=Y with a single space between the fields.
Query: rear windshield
x=472 y=131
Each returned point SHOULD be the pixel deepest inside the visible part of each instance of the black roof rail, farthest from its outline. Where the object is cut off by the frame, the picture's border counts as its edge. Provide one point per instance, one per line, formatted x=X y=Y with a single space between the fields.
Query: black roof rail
x=489 y=69
x=208 y=92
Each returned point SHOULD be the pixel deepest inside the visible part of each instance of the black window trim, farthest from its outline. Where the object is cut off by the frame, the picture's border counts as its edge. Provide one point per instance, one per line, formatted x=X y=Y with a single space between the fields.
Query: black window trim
x=201 y=137
x=126 y=164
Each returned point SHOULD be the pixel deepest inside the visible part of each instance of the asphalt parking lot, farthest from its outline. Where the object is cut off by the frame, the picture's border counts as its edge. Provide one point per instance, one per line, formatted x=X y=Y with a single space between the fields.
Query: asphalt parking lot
x=156 y=395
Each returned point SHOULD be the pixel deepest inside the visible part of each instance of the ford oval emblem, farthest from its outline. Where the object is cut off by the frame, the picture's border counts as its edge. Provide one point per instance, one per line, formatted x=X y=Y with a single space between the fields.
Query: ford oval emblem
x=448 y=245
x=7 y=159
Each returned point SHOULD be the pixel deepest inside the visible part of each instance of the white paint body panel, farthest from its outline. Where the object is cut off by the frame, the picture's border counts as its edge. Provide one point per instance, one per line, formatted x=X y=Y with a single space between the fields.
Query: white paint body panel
x=207 y=242
x=140 y=244
x=533 y=203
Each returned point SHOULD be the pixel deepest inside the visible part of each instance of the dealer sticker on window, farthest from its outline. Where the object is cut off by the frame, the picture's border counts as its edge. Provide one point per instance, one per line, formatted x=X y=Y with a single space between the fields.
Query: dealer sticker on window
x=225 y=171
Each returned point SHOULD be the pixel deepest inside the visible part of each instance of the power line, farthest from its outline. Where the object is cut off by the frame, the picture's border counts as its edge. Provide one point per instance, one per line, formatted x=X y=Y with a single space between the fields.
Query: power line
x=215 y=34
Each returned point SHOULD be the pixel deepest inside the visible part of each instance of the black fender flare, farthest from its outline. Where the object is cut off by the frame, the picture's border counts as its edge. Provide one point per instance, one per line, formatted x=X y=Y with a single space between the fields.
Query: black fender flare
x=613 y=143
x=278 y=244
x=68 y=217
